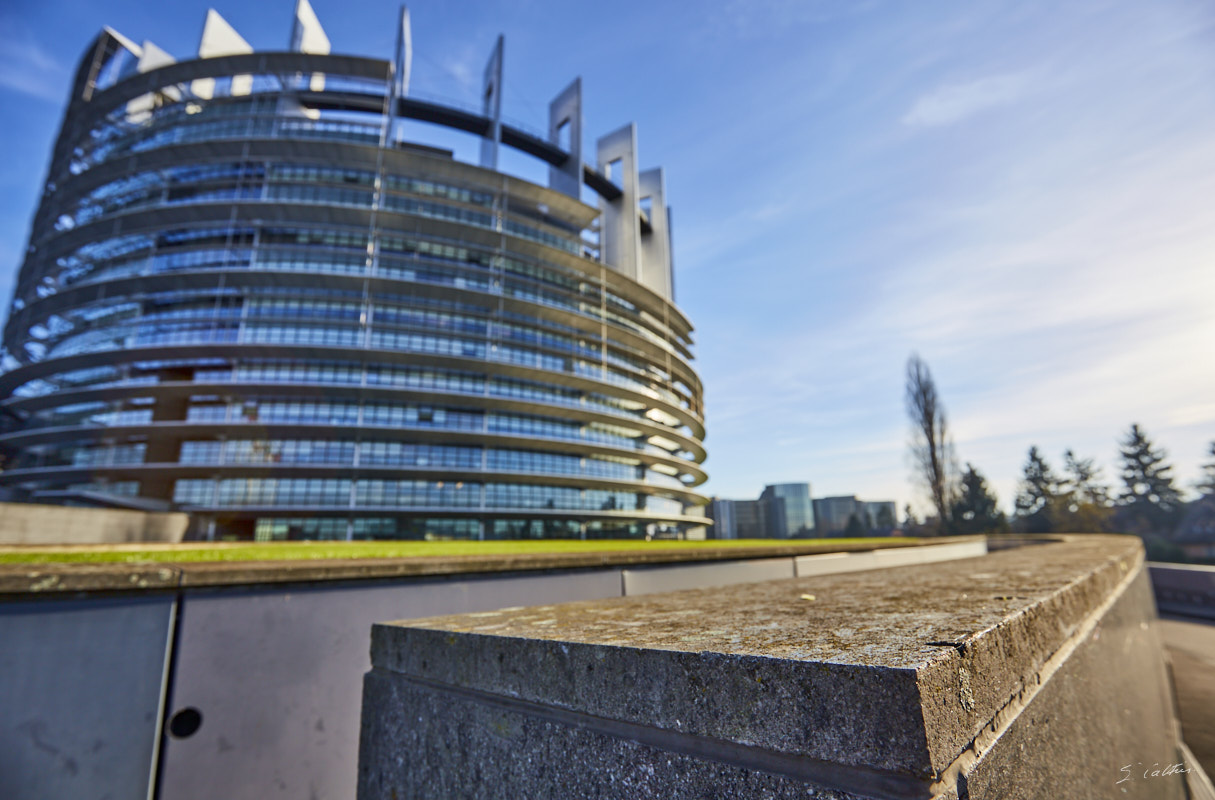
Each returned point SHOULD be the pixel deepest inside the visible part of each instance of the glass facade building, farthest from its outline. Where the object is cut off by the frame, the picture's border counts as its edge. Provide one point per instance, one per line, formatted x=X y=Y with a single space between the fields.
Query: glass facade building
x=248 y=297
x=790 y=512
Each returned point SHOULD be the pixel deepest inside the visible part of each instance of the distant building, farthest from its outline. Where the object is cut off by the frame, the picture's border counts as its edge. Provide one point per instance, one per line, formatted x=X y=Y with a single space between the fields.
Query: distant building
x=783 y=511
x=722 y=512
x=881 y=513
x=789 y=509
x=833 y=514
x=751 y=519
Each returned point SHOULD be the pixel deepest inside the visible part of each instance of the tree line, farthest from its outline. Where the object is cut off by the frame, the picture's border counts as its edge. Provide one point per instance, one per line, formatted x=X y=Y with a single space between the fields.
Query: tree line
x=1076 y=499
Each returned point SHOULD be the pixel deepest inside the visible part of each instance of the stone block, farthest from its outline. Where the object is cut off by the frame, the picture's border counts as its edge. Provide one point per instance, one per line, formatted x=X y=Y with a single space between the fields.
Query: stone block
x=949 y=679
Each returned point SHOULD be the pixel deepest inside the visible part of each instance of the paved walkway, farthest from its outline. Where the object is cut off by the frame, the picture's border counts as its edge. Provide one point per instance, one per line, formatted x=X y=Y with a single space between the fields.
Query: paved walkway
x=1191 y=645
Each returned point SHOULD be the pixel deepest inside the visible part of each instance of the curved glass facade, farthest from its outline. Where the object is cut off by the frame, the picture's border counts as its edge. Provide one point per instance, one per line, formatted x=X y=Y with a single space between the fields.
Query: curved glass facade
x=256 y=304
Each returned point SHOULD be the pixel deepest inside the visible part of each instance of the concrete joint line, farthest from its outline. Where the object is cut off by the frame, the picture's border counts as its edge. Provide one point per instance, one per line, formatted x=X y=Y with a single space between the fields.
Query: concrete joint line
x=858 y=780
x=953 y=776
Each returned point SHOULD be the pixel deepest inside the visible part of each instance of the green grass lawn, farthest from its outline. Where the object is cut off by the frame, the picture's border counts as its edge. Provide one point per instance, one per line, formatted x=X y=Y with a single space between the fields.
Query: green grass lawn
x=261 y=551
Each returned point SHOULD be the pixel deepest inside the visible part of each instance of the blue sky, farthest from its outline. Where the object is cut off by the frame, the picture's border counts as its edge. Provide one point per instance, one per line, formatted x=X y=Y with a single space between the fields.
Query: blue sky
x=1022 y=192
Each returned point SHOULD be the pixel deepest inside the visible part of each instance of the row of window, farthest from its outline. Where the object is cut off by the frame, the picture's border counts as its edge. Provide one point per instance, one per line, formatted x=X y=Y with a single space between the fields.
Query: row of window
x=348 y=453
x=359 y=528
x=357 y=196
x=424 y=378
x=386 y=244
x=291 y=451
x=353 y=412
x=322 y=262
x=340 y=413
x=108 y=337
x=234 y=252
x=313 y=492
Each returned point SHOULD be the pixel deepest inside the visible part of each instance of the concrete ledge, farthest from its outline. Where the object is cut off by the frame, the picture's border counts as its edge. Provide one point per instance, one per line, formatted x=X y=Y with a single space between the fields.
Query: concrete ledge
x=56 y=578
x=985 y=677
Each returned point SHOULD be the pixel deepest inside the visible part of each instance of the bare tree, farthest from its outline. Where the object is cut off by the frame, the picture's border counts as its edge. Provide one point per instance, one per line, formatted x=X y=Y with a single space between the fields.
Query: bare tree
x=931 y=447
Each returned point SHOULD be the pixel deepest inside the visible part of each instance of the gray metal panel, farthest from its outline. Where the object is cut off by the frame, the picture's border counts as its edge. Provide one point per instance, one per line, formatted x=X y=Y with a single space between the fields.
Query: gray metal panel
x=620 y=236
x=655 y=251
x=566 y=109
x=403 y=62
x=697 y=576
x=80 y=693
x=278 y=675
x=307 y=35
x=491 y=106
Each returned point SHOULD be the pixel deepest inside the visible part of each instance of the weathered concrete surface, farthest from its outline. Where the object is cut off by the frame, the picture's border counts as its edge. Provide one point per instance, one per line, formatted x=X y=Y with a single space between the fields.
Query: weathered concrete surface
x=58 y=578
x=35 y=581
x=500 y=753
x=32 y=523
x=1101 y=721
x=894 y=683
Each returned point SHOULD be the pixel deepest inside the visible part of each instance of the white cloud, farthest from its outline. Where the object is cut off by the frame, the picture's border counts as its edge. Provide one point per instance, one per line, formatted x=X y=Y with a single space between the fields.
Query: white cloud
x=955 y=102
x=25 y=67
x=462 y=69
x=1055 y=308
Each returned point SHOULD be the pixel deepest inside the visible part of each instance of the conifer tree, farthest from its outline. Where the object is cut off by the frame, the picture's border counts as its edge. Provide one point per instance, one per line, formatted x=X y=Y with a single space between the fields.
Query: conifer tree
x=976 y=509
x=1084 y=480
x=1149 y=502
x=1037 y=495
x=1084 y=500
x=1206 y=484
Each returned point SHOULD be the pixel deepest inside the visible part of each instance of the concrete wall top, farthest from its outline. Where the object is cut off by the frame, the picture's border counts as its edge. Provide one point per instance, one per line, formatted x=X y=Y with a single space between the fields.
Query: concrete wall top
x=19 y=580
x=885 y=683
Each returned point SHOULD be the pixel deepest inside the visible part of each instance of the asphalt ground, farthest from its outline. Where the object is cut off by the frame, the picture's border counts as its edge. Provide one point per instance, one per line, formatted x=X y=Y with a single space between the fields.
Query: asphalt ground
x=1191 y=645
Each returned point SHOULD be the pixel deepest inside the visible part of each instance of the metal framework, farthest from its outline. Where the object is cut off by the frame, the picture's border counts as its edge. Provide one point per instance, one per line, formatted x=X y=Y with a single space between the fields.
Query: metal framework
x=244 y=296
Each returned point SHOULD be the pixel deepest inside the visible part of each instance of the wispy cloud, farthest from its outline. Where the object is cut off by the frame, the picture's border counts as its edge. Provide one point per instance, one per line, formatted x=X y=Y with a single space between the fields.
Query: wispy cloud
x=1060 y=290
x=27 y=68
x=761 y=19
x=462 y=69
x=955 y=102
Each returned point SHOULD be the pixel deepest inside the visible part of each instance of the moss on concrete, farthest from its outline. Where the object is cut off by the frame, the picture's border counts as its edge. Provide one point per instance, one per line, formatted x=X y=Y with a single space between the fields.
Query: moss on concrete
x=295 y=551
